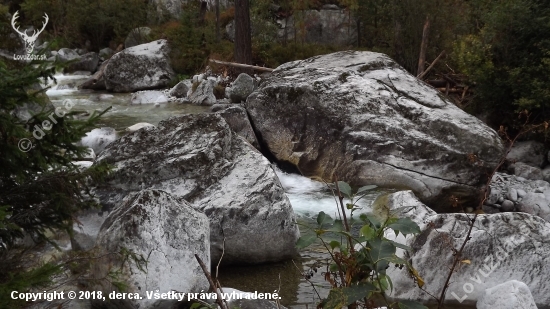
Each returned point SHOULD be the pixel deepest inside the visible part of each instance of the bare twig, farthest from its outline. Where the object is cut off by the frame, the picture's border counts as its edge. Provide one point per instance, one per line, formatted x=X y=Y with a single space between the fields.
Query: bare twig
x=212 y=285
x=278 y=301
x=217 y=267
x=303 y=275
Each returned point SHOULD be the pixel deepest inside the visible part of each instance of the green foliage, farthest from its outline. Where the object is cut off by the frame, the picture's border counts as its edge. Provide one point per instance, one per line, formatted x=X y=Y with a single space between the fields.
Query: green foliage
x=40 y=190
x=14 y=278
x=97 y=21
x=188 y=40
x=357 y=270
x=507 y=58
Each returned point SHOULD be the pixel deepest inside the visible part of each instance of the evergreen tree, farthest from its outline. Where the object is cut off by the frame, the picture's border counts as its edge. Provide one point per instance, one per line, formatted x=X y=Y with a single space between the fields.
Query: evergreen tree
x=40 y=189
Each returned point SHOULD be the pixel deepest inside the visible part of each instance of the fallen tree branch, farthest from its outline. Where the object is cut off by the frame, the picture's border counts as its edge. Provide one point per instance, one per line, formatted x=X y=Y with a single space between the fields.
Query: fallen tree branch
x=212 y=285
x=421 y=75
x=242 y=66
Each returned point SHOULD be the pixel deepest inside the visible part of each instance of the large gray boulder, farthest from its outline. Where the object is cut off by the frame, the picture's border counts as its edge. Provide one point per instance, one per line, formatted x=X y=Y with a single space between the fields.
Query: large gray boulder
x=26 y=111
x=198 y=157
x=180 y=89
x=326 y=26
x=360 y=117
x=502 y=247
x=527 y=171
x=203 y=93
x=67 y=54
x=529 y=152
x=142 y=67
x=511 y=294
x=237 y=119
x=241 y=88
x=536 y=203
x=167 y=232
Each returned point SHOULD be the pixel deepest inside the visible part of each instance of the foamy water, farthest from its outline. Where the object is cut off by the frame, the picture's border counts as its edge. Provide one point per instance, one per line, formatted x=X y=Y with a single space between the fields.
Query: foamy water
x=309 y=197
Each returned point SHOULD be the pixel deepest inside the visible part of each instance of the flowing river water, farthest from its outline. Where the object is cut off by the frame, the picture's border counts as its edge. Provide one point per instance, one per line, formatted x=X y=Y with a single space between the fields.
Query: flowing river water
x=307 y=197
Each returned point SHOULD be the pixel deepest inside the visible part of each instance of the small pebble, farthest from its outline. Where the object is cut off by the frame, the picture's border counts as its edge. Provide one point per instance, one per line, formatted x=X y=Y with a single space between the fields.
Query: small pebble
x=521 y=193
x=500 y=200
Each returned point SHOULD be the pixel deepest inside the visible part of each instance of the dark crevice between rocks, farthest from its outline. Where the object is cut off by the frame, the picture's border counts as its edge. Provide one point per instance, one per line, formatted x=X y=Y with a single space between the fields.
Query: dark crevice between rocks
x=264 y=149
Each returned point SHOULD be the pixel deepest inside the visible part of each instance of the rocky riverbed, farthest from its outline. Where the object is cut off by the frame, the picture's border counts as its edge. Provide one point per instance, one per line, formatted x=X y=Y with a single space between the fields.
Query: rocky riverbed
x=184 y=153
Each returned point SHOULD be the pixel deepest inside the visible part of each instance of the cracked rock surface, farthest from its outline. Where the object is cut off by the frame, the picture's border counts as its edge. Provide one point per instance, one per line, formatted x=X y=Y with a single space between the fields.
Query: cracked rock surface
x=167 y=232
x=199 y=158
x=360 y=117
x=503 y=247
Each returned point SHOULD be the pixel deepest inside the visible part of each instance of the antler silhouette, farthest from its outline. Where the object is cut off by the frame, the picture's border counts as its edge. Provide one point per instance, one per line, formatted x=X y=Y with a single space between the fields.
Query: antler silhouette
x=16 y=16
x=35 y=33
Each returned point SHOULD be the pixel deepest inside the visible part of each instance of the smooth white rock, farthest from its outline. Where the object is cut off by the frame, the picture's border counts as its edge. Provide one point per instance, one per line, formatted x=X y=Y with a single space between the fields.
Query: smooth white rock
x=138 y=126
x=149 y=97
x=167 y=232
x=508 y=295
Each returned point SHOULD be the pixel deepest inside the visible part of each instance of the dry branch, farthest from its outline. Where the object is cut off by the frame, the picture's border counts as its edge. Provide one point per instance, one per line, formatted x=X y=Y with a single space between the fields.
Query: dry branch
x=423 y=47
x=212 y=285
x=242 y=66
x=422 y=74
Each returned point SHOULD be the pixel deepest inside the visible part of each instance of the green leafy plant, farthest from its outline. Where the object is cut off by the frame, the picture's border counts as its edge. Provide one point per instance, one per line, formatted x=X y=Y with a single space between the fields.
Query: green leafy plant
x=357 y=270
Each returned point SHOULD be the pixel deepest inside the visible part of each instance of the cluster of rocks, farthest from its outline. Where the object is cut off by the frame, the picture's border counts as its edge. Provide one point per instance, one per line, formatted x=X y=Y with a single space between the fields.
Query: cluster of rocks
x=355 y=116
x=201 y=90
x=189 y=185
x=524 y=189
x=506 y=257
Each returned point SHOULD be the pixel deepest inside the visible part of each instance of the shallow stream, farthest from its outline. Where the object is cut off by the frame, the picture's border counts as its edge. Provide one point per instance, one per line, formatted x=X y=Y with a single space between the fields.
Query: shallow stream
x=307 y=197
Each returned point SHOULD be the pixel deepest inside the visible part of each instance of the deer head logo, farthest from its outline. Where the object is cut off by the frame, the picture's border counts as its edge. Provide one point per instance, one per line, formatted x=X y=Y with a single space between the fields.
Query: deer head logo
x=29 y=40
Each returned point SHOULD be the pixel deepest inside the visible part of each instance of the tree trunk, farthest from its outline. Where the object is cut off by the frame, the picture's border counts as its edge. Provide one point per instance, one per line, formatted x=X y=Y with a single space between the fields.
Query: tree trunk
x=243 y=43
x=423 y=47
x=218 y=36
x=204 y=7
x=358 y=25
